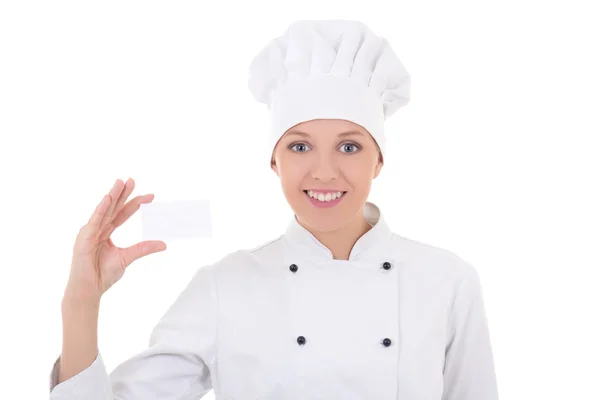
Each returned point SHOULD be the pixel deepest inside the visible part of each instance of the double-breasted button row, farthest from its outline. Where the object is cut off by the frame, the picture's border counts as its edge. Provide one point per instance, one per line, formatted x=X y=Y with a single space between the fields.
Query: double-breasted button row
x=387 y=342
x=301 y=340
x=386 y=265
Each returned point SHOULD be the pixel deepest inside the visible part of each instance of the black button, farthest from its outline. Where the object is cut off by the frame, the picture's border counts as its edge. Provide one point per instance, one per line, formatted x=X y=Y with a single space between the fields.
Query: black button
x=387 y=265
x=387 y=342
x=301 y=340
x=293 y=268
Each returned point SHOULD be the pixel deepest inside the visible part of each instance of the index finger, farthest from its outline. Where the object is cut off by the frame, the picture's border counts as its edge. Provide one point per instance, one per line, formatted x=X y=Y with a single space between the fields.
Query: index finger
x=98 y=214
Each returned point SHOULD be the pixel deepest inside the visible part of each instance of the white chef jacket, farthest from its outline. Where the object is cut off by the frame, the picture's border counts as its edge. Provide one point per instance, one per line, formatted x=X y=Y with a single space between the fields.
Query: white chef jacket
x=398 y=320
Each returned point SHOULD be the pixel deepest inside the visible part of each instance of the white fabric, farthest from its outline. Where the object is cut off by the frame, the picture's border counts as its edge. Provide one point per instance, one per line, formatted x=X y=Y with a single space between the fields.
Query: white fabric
x=234 y=328
x=321 y=69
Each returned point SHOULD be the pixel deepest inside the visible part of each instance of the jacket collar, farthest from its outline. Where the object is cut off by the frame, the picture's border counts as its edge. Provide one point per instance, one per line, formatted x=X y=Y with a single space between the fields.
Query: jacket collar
x=304 y=242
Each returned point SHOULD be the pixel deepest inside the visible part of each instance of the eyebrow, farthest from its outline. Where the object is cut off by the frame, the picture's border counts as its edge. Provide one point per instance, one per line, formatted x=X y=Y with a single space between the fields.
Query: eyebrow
x=343 y=134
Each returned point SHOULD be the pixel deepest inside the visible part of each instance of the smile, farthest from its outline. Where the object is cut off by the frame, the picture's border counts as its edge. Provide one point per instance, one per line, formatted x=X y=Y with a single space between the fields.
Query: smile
x=325 y=199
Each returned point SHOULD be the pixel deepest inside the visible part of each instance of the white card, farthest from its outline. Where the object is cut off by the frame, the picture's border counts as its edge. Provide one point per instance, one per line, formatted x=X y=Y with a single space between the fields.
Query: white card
x=169 y=220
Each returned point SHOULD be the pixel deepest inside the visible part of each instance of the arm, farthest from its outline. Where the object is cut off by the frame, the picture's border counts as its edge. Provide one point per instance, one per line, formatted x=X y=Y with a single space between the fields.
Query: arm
x=80 y=335
x=176 y=363
x=80 y=356
x=469 y=372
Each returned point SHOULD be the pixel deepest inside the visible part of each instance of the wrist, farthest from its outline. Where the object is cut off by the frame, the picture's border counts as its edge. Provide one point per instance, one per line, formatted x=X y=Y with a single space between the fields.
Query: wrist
x=75 y=300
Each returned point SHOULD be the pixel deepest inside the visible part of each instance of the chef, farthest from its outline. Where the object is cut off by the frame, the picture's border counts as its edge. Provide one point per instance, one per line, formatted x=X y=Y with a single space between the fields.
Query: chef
x=338 y=306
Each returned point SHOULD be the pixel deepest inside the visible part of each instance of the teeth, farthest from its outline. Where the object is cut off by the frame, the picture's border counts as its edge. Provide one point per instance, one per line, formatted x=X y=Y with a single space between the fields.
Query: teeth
x=325 y=197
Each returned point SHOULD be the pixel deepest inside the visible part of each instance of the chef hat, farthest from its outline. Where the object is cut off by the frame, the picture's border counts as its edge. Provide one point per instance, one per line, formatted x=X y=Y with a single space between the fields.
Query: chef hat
x=321 y=69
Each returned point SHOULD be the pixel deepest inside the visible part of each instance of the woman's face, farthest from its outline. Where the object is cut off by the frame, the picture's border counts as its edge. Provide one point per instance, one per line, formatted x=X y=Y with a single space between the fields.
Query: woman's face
x=323 y=157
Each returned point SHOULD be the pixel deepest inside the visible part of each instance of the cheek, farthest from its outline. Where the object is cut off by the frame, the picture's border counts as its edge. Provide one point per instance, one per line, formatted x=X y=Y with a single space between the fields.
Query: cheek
x=358 y=172
x=291 y=175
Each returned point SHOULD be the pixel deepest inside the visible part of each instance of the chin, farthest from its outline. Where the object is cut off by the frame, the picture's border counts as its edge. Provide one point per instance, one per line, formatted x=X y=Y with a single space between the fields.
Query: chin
x=320 y=224
x=321 y=219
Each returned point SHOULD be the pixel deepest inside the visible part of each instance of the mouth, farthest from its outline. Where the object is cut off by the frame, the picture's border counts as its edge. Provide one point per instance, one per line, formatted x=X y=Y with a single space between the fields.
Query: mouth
x=322 y=199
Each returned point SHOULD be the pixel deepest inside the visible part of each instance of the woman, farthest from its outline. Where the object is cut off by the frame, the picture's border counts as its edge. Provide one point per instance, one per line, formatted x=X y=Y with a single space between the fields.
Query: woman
x=338 y=307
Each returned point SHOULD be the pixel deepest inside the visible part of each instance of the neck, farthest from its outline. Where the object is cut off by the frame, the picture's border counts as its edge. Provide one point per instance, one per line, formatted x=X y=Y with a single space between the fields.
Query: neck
x=341 y=241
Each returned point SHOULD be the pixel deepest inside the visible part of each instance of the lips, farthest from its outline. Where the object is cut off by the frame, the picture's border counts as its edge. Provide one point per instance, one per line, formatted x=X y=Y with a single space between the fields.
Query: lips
x=325 y=202
x=325 y=196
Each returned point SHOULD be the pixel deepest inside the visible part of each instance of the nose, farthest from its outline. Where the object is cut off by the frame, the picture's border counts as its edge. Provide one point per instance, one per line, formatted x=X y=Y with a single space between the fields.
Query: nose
x=325 y=168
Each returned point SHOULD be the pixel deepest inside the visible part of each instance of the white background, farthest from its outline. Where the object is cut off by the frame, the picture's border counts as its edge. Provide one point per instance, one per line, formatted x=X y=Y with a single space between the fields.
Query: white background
x=495 y=158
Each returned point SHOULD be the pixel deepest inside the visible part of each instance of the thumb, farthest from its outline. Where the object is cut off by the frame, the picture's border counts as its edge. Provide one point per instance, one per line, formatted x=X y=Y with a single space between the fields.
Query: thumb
x=139 y=250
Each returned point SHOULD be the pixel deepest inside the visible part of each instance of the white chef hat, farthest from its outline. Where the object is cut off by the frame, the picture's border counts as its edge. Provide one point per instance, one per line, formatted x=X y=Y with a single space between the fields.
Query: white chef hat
x=322 y=69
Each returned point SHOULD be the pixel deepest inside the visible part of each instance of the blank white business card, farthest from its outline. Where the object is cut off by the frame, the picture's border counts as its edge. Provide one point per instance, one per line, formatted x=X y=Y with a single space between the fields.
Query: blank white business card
x=168 y=220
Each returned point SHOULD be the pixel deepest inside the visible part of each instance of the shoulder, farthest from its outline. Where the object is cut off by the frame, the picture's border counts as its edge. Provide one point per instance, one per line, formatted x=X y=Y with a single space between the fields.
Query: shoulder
x=438 y=271
x=431 y=259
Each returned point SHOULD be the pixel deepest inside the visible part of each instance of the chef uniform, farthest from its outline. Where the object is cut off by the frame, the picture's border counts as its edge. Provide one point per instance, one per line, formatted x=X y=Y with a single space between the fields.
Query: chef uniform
x=398 y=320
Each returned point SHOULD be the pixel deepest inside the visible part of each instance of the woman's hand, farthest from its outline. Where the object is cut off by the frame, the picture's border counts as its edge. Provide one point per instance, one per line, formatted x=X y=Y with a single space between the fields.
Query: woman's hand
x=97 y=263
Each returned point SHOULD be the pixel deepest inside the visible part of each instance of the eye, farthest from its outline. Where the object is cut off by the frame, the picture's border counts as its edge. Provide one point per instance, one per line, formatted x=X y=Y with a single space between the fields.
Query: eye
x=299 y=147
x=347 y=148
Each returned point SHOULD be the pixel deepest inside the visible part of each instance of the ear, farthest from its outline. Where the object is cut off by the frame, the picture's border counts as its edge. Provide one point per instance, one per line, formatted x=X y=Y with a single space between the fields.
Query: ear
x=378 y=167
x=274 y=167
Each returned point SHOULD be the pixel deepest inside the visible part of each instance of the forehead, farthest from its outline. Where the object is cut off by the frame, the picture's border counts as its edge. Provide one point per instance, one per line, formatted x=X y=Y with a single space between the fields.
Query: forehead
x=322 y=127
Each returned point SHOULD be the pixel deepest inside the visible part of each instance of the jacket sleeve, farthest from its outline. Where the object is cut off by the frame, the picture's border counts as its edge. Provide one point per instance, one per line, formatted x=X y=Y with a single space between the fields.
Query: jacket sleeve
x=469 y=372
x=175 y=366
